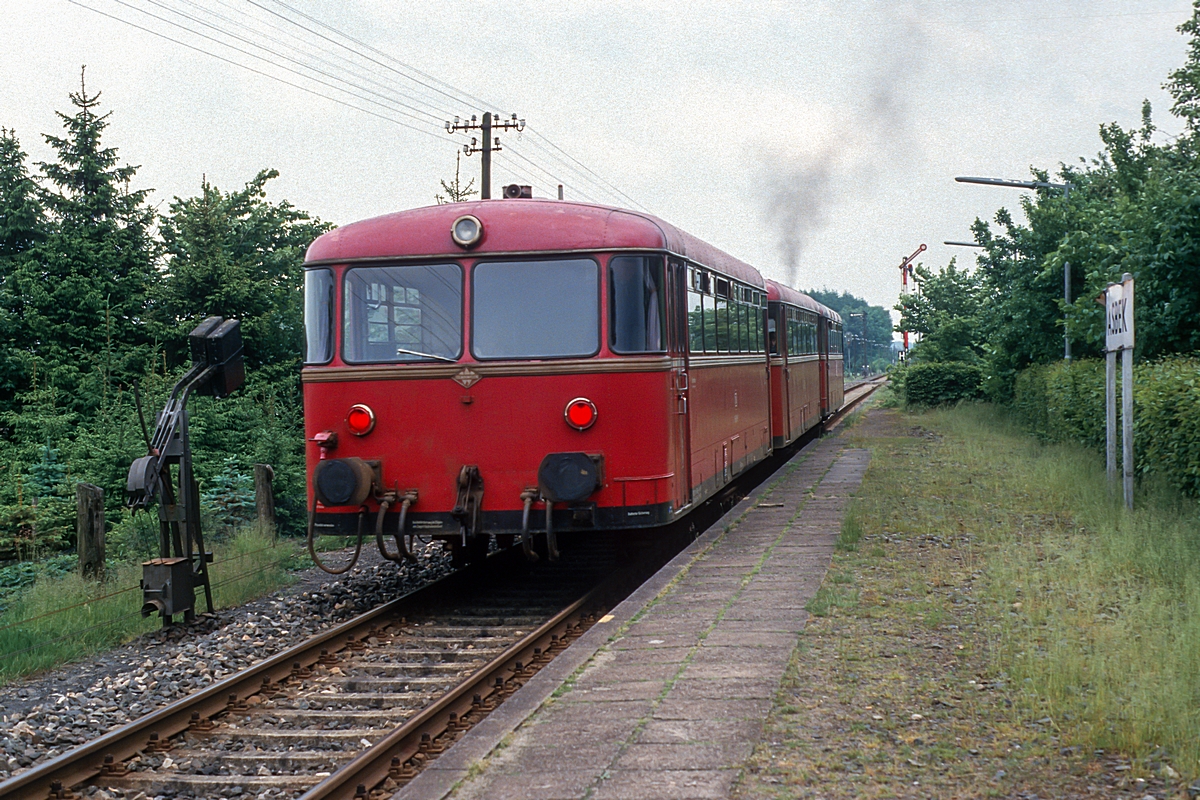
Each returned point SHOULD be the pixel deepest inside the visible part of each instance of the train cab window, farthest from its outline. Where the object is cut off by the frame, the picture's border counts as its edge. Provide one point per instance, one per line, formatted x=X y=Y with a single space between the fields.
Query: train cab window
x=397 y=314
x=772 y=338
x=318 y=316
x=636 y=317
x=536 y=309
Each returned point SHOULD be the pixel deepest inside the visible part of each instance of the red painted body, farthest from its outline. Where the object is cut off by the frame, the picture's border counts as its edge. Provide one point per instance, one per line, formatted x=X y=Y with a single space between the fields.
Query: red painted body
x=672 y=427
x=800 y=380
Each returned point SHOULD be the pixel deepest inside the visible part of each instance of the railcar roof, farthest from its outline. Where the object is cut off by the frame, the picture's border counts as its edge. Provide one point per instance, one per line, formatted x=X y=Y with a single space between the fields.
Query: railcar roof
x=779 y=293
x=519 y=226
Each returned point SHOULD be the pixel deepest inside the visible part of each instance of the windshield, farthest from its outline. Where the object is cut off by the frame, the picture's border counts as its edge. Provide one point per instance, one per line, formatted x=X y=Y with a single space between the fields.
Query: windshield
x=409 y=313
x=536 y=309
x=318 y=316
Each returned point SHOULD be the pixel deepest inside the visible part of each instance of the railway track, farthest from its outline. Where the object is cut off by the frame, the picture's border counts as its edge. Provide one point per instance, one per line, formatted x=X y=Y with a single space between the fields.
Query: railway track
x=359 y=709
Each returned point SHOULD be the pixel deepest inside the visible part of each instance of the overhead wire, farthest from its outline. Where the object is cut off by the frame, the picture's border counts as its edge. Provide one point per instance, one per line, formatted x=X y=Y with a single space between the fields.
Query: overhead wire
x=436 y=114
x=194 y=32
x=456 y=98
x=346 y=78
x=567 y=155
x=248 y=67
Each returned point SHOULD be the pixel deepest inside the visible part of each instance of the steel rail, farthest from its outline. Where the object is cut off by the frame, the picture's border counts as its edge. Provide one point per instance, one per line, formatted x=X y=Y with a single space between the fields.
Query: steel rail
x=433 y=729
x=857 y=394
x=86 y=761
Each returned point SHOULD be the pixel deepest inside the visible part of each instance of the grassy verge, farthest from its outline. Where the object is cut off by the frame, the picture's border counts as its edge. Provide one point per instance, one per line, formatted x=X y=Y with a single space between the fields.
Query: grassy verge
x=60 y=618
x=992 y=625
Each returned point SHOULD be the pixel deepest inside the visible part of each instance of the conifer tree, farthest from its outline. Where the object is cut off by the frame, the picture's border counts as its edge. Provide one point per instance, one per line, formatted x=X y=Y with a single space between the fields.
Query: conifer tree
x=79 y=299
x=22 y=225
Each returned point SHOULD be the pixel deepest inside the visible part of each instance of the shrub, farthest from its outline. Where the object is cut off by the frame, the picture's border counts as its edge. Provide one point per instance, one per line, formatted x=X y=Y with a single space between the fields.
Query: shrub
x=1065 y=403
x=940 y=383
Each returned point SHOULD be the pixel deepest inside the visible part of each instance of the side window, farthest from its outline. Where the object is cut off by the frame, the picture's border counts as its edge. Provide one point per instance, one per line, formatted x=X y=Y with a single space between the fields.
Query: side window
x=695 y=315
x=636 y=315
x=722 y=325
x=743 y=326
x=710 y=324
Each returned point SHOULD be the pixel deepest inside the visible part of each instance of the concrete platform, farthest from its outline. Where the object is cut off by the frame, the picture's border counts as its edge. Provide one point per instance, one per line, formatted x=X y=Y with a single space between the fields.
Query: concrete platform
x=668 y=698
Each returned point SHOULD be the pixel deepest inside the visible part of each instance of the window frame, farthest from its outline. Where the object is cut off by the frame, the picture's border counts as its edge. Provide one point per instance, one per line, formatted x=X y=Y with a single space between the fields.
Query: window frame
x=600 y=303
x=344 y=307
x=664 y=312
x=334 y=318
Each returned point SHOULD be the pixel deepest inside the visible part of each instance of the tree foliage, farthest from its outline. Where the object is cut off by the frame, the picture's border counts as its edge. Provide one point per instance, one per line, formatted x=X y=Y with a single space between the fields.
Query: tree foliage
x=97 y=295
x=1133 y=208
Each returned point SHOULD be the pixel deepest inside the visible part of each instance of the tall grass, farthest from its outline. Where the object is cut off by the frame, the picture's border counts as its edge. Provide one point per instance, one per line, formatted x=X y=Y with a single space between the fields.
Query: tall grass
x=1098 y=608
x=63 y=618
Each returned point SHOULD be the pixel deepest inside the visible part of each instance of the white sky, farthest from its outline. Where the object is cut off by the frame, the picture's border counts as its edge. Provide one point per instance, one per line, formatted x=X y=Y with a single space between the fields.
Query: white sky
x=700 y=111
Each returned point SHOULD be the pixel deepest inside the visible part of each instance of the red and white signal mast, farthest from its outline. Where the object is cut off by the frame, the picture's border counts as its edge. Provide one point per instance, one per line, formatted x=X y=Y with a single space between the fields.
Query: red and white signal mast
x=906 y=270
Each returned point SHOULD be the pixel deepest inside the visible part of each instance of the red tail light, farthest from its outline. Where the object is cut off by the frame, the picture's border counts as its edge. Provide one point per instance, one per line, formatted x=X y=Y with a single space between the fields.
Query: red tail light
x=580 y=413
x=360 y=420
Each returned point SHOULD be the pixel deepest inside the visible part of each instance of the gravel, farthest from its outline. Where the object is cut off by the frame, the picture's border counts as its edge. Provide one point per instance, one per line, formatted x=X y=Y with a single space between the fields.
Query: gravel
x=44 y=716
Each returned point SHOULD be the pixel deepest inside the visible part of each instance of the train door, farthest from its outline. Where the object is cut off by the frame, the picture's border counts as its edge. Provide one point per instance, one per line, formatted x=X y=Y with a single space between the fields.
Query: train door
x=677 y=348
x=823 y=349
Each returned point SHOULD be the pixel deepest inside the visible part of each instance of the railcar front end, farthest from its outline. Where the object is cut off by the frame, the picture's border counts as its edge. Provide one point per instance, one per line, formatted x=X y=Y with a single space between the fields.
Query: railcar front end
x=458 y=388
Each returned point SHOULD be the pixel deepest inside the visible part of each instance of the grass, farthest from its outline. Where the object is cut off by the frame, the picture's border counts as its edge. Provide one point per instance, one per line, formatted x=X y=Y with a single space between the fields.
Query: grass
x=1093 y=612
x=61 y=618
x=1101 y=619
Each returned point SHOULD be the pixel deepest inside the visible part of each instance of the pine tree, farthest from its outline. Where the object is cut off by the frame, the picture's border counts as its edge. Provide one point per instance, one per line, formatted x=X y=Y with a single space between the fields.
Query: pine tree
x=22 y=226
x=79 y=300
x=22 y=219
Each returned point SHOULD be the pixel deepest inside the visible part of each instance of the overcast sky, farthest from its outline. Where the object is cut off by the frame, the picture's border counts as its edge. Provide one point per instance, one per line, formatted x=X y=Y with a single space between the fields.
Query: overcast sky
x=815 y=140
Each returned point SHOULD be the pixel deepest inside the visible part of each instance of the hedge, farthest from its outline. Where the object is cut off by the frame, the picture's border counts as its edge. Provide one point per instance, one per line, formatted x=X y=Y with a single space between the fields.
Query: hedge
x=939 y=383
x=1065 y=402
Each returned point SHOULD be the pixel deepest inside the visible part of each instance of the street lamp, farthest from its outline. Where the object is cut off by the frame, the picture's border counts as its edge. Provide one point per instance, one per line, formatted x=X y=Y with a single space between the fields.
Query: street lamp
x=1066 y=190
x=963 y=244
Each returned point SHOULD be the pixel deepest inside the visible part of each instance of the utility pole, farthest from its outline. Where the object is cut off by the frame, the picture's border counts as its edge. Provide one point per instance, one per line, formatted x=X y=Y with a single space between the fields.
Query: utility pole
x=485 y=126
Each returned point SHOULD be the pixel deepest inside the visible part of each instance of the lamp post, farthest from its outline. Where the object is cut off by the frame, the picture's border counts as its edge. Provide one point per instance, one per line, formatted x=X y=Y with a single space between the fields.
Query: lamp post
x=1066 y=190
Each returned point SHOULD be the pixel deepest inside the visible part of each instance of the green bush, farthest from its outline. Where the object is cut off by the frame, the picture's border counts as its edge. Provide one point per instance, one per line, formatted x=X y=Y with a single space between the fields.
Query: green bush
x=1065 y=403
x=941 y=383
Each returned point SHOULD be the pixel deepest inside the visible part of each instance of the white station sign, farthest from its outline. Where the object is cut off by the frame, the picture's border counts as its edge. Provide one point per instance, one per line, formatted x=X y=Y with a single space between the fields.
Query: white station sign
x=1118 y=323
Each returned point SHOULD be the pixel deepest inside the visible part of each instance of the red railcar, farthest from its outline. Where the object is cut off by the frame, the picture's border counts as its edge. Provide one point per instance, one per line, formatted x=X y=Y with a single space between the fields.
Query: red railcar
x=805 y=369
x=472 y=366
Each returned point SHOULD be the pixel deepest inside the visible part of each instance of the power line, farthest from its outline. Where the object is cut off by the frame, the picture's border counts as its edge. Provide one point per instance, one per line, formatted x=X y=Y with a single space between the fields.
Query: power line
x=435 y=113
x=357 y=86
x=482 y=103
x=267 y=60
x=581 y=164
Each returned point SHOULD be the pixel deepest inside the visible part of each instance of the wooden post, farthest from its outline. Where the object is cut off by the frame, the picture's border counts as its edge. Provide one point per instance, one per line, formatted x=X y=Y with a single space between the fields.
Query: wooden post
x=89 y=530
x=264 y=496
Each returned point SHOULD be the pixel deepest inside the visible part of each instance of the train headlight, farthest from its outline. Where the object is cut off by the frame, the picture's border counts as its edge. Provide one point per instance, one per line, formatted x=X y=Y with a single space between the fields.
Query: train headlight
x=467 y=231
x=360 y=420
x=580 y=413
